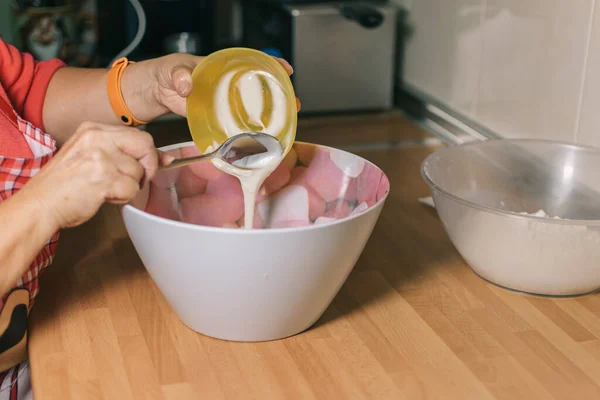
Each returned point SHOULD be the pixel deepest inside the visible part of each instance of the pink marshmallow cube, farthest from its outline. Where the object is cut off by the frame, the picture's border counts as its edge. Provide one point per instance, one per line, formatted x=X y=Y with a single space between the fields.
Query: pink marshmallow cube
x=162 y=203
x=208 y=210
x=368 y=183
x=166 y=178
x=228 y=189
x=316 y=205
x=351 y=192
x=362 y=207
x=315 y=202
x=257 y=223
x=291 y=224
x=276 y=180
x=190 y=184
x=298 y=176
x=140 y=201
x=291 y=159
x=327 y=179
x=338 y=210
x=203 y=169
x=384 y=187
x=323 y=220
x=289 y=204
x=306 y=153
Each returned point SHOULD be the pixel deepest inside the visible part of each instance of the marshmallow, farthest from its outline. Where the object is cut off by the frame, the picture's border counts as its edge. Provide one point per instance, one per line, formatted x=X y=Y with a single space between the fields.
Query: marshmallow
x=290 y=224
x=305 y=153
x=316 y=203
x=362 y=207
x=327 y=179
x=257 y=223
x=384 y=187
x=162 y=202
x=276 y=180
x=368 y=183
x=204 y=169
x=291 y=159
x=289 y=204
x=190 y=184
x=338 y=210
x=166 y=178
x=298 y=176
x=141 y=199
x=348 y=163
x=228 y=189
x=208 y=210
x=324 y=220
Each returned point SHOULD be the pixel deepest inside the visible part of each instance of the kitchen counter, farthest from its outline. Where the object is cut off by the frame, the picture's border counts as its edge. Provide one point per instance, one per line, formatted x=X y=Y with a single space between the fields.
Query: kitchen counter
x=412 y=320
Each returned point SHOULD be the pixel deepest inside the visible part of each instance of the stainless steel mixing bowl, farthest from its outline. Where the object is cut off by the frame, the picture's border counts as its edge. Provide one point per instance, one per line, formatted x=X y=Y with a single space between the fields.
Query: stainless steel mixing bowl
x=480 y=191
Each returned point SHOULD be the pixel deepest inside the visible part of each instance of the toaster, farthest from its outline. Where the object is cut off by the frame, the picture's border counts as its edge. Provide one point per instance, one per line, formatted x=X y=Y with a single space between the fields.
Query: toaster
x=343 y=53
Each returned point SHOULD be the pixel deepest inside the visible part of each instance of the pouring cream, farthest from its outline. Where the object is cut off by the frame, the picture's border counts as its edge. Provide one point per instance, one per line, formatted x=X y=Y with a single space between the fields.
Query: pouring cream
x=251 y=171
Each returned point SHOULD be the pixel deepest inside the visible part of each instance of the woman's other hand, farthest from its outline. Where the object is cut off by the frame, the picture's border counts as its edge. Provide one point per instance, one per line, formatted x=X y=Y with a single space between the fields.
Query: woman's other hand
x=98 y=164
x=172 y=77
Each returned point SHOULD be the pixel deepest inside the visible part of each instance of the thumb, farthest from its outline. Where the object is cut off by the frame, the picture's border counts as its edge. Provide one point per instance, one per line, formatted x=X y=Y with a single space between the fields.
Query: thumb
x=181 y=77
x=165 y=158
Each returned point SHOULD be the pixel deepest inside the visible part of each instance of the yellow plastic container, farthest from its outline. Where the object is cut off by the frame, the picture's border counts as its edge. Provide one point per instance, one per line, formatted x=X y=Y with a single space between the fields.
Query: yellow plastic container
x=239 y=90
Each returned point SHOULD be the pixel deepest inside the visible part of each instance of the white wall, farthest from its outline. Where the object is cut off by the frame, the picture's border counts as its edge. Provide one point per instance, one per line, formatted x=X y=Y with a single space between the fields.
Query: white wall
x=523 y=68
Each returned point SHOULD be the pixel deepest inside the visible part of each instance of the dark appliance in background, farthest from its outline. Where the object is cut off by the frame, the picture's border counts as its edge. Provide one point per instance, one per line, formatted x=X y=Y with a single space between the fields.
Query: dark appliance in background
x=171 y=25
x=343 y=52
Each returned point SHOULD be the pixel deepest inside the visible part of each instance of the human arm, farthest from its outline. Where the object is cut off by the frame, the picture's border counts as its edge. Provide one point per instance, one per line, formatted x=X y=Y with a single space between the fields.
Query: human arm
x=25 y=230
x=58 y=99
x=150 y=89
x=98 y=164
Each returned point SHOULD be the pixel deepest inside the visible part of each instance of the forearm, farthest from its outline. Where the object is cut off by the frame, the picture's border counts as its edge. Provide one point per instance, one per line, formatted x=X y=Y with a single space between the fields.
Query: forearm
x=76 y=95
x=24 y=230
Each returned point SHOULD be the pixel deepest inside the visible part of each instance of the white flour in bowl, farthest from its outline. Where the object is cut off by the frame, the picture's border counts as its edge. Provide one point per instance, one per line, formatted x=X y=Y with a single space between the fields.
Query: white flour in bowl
x=539 y=213
x=533 y=256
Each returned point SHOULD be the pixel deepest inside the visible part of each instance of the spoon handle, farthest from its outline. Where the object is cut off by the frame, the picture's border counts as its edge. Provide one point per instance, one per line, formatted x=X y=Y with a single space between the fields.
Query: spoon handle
x=180 y=162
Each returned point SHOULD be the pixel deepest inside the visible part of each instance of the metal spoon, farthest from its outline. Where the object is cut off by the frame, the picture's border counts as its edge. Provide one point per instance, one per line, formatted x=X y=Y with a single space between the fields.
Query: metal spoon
x=240 y=150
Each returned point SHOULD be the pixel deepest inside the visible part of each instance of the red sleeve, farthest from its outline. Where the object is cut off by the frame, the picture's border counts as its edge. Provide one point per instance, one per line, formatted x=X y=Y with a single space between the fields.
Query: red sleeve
x=25 y=80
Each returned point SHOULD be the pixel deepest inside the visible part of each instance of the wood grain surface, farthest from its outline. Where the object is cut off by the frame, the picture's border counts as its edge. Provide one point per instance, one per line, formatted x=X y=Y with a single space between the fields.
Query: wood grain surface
x=411 y=322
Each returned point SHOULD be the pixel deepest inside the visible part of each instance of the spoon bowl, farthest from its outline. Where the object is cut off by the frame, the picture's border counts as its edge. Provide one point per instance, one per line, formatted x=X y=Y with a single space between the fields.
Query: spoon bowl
x=246 y=151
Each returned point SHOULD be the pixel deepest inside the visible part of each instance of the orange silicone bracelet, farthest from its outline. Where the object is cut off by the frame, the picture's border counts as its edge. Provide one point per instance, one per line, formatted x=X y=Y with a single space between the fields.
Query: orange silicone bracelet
x=115 y=96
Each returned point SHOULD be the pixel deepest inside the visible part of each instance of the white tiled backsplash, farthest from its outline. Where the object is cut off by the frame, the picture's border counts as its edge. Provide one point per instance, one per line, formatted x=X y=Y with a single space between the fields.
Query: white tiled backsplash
x=522 y=68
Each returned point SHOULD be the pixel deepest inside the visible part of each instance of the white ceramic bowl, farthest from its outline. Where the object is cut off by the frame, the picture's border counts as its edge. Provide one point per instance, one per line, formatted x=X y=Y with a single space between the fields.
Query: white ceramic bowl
x=260 y=284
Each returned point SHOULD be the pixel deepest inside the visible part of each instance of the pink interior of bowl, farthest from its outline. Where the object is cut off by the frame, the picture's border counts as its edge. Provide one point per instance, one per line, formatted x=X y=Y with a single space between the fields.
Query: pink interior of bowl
x=313 y=185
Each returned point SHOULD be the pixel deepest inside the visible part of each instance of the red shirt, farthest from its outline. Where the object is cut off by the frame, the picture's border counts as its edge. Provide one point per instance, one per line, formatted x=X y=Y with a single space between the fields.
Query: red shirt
x=23 y=82
x=24 y=149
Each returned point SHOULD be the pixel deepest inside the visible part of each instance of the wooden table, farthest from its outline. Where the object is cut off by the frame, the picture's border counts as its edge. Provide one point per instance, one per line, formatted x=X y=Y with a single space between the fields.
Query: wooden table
x=412 y=321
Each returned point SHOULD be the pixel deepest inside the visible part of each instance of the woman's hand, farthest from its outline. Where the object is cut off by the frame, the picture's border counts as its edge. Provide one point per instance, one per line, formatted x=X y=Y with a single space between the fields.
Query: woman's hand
x=172 y=79
x=98 y=164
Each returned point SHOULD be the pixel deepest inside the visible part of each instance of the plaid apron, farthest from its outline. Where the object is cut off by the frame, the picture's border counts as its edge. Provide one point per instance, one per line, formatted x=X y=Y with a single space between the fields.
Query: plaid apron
x=14 y=173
